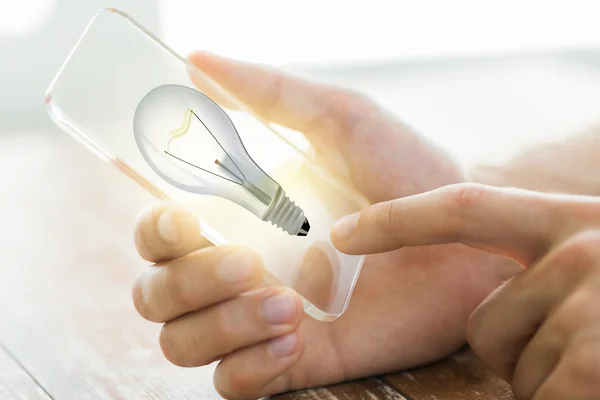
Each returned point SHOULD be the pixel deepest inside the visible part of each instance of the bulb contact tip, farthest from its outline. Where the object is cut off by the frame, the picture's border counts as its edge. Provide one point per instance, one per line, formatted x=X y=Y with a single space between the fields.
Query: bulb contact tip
x=304 y=229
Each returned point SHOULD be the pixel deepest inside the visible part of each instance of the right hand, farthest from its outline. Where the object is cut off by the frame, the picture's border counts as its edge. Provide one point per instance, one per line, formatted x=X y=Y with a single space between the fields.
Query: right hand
x=409 y=306
x=540 y=330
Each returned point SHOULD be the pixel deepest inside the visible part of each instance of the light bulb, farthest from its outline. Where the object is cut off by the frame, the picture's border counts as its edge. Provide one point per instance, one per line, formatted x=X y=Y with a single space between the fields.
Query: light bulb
x=191 y=143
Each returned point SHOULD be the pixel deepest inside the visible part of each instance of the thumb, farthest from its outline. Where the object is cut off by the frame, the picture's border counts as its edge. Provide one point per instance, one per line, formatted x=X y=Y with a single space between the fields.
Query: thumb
x=516 y=223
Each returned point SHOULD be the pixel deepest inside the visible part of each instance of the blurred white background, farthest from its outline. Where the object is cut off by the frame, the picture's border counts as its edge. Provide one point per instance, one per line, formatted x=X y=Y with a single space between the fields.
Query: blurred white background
x=481 y=78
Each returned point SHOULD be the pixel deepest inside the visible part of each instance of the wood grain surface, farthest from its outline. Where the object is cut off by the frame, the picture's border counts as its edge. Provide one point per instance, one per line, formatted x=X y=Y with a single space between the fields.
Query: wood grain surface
x=69 y=262
x=67 y=323
x=368 y=389
x=16 y=383
x=462 y=376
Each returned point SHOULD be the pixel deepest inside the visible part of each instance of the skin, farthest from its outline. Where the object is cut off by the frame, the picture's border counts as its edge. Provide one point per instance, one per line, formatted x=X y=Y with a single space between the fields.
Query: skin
x=540 y=330
x=410 y=305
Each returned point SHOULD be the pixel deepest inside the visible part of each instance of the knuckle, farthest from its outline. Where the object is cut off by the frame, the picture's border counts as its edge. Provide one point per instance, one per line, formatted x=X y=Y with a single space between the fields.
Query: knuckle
x=387 y=216
x=393 y=212
x=465 y=196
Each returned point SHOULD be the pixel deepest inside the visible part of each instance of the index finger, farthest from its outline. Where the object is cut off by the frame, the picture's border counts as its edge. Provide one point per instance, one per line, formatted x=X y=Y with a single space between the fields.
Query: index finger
x=519 y=224
x=315 y=109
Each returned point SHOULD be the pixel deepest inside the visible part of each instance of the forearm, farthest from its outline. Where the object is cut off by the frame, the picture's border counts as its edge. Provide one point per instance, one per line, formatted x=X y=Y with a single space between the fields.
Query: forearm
x=569 y=166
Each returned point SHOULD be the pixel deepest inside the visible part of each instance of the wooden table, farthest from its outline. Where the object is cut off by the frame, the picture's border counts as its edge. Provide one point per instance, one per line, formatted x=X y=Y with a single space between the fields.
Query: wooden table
x=68 y=329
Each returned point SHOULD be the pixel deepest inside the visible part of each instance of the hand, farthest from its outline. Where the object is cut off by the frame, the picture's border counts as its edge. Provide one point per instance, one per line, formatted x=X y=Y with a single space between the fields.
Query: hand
x=409 y=306
x=541 y=329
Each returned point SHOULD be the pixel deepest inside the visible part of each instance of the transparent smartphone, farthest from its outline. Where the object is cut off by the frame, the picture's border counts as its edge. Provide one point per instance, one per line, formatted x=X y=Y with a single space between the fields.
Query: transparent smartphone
x=94 y=97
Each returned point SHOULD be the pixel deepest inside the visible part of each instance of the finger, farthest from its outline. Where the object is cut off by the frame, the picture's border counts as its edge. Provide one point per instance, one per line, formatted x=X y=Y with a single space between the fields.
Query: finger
x=167 y=230
x=541 y=356
x=352 y=136
x=510 y=319
x=259 y=370
x=308 y=107
x=516 y=223
x=505 y=340
x=205 y=277
x=201 y=337
x=577 y=374
x=536 y=363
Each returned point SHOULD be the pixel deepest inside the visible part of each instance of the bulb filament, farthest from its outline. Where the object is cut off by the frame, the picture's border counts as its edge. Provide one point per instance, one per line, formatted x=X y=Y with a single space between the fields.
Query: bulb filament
x=241 y=180
x=183 y=129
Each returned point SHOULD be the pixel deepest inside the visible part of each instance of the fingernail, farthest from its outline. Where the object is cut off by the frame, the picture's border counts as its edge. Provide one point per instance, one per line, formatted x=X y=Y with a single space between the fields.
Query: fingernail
x=237 y=267
x=284 y=346
x=345 y=226
x=280 y=308
x=167 y=230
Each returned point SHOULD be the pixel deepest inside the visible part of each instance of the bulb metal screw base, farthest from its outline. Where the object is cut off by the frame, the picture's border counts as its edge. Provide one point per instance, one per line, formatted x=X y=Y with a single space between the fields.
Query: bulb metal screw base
x=286 y=215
